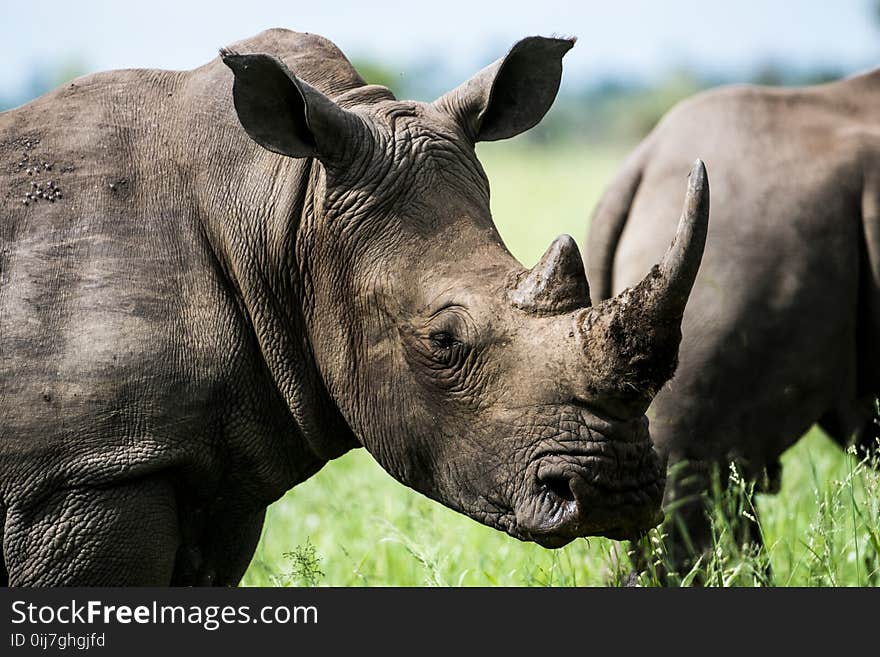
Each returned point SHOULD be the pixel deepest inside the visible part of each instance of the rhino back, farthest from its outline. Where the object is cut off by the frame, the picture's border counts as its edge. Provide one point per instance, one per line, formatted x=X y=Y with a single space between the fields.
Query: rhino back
x=772 y=318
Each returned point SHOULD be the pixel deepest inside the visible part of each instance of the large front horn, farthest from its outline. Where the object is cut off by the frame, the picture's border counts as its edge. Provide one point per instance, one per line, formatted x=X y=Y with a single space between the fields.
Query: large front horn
x=678 y=271
x=631 y=341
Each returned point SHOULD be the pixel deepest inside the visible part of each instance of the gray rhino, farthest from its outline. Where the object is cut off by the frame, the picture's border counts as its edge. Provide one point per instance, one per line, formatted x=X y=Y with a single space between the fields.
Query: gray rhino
x=214 y=281
x=783 y=324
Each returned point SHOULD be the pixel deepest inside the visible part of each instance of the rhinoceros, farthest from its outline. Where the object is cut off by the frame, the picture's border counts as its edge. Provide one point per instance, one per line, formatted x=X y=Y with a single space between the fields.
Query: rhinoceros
x=783 y=326
x=216 y=281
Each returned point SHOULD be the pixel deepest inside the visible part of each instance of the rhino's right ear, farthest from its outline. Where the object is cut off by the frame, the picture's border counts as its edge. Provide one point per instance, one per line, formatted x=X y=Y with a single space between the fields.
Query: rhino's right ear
x=511 y=95
x=286 y=115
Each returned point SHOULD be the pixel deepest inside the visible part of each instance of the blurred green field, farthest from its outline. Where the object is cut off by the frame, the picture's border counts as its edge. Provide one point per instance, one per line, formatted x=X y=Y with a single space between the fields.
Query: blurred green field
x=538 y=192
x=353 y=525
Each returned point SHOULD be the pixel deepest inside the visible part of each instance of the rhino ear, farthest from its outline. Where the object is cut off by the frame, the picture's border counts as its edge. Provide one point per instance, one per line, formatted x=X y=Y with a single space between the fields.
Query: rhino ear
x=284 y=114
x=511 y=95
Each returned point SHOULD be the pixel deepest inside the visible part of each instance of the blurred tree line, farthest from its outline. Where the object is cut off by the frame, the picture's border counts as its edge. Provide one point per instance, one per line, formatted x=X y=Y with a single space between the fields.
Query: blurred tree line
x=42 y=78
x=611 y=110
x=605 y=111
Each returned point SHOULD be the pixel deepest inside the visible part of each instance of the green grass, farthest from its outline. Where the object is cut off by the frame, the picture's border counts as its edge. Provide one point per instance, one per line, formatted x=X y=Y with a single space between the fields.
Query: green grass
x=823 y=528
x=356 y=526
x=539 y=193
x=353 y=525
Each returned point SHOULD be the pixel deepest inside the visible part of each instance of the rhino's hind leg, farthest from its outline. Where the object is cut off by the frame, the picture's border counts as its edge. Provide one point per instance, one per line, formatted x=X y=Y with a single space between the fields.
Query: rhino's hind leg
x=856 y=424
x=124 y=535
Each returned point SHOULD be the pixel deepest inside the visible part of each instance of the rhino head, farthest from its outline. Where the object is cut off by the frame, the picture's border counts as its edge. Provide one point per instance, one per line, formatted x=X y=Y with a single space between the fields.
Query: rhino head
x=499 y=391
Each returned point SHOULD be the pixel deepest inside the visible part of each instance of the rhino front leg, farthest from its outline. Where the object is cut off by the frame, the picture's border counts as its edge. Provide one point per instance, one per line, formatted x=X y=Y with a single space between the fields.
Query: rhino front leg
x=702 y=514
x=217 y=549
x=124 y=535
x=687 y=530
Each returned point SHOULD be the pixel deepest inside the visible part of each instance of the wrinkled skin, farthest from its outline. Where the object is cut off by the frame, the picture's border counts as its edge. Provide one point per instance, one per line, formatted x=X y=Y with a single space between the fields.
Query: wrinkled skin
x=783 y=324
x=260 y=264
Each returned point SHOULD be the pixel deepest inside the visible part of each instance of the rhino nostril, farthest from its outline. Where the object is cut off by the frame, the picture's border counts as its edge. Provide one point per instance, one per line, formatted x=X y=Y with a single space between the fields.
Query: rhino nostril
x=559 y=486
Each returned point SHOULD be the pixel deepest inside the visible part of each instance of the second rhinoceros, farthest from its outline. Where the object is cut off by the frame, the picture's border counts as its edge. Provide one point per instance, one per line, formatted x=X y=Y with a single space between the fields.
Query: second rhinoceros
x=240 y=272
x=783 y=324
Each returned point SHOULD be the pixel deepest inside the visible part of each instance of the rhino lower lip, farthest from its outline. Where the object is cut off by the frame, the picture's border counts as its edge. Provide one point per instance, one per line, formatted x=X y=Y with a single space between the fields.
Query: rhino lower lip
x=632 y=523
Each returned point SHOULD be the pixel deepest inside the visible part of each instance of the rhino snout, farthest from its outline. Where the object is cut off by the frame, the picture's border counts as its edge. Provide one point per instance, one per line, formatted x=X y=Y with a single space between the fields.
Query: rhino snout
x=588 y=509
x=609 y=488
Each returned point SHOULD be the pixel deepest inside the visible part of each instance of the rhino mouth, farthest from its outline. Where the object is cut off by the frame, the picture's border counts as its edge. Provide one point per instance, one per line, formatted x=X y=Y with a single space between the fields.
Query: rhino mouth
x=609 y=484
x=585 y=496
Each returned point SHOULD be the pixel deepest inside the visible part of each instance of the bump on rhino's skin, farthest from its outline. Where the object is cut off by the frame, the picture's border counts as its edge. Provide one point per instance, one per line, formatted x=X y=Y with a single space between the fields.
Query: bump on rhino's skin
x=34 y=175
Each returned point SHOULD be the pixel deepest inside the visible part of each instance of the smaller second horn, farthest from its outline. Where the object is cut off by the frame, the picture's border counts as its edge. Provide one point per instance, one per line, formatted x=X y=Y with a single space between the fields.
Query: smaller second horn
x=556 y=284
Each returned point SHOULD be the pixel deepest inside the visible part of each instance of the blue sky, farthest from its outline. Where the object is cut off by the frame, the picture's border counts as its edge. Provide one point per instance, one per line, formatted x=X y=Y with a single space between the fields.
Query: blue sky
x=624 y=37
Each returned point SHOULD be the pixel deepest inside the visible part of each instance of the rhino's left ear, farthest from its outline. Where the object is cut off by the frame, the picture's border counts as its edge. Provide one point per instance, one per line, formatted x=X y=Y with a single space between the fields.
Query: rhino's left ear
x=285 y=114
x=511 y=95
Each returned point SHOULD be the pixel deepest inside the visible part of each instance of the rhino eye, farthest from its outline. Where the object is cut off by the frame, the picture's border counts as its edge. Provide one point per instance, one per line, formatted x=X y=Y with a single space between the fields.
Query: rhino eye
x=443 y=340
x=444 y=344
x=445 y=351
